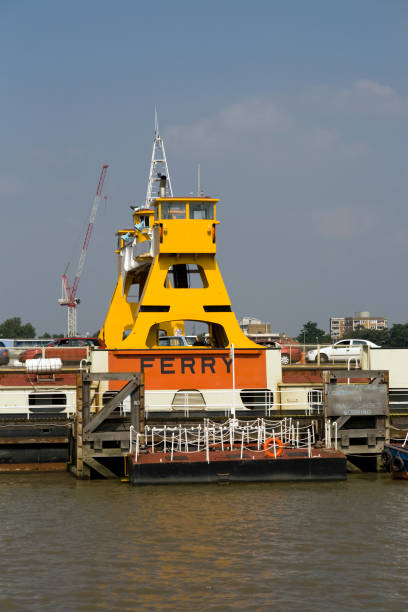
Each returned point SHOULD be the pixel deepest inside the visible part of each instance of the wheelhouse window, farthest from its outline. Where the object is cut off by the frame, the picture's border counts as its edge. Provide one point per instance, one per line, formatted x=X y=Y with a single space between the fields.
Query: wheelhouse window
x=201 y=210
x=173 y=210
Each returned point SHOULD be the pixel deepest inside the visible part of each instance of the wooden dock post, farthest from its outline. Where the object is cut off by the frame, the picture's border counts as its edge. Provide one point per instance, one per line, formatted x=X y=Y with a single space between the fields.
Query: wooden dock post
x=80 y=469
x=89 y=437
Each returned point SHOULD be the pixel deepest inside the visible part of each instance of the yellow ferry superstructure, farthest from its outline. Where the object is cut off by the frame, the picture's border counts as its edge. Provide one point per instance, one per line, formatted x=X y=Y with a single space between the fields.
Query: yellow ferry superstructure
x=169 y=286
x=171 y=245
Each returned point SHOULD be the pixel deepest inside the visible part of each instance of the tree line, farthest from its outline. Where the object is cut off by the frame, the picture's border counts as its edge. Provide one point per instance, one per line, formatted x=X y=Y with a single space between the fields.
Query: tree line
x=394 y=337
x=14 y=328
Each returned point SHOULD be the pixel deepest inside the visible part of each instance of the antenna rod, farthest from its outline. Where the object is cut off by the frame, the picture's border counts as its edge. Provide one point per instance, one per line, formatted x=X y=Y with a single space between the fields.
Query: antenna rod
x=158 y=168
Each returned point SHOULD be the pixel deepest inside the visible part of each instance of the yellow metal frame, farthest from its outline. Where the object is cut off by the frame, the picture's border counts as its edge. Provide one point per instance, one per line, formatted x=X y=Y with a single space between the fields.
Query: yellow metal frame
x=160 y=306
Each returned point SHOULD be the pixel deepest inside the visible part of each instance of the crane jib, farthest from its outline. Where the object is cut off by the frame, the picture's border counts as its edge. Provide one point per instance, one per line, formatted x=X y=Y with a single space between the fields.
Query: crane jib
x=70 y=293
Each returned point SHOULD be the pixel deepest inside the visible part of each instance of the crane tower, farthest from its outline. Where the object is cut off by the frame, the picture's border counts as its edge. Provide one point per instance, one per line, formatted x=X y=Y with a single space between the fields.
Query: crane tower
x=69 y=298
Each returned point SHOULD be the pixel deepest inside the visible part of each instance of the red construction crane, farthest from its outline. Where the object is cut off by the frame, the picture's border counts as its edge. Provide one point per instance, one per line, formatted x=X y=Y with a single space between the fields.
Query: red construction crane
x=69 y=298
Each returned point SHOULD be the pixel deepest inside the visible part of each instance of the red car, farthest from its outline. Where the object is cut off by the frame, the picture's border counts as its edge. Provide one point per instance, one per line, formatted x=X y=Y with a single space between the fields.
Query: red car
x=290 y=352
x=67 y=349
x=4 y=354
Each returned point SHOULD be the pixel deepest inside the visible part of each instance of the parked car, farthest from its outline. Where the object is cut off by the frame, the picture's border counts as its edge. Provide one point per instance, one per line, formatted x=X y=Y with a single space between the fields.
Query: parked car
x=290 y=353
x=175 y=341
x=340 y=351
x=67 y=349
x=4 y=354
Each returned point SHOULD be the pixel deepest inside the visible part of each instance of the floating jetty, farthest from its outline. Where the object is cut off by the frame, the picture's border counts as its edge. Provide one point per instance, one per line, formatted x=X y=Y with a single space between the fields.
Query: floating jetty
x=235 y=451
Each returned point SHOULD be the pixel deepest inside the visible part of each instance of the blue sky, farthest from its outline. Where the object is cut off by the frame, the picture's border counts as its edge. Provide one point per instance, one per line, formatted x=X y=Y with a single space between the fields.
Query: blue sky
x=296 y=111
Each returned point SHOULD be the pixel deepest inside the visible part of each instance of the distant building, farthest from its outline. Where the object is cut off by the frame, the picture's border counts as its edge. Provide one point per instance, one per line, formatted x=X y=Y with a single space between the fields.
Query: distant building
x=259 y=331
x=344 y=325
x=336 y=327
x=245 y=322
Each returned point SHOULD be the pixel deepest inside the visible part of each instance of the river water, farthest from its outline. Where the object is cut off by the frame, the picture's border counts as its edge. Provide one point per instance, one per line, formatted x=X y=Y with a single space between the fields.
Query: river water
x=105 y=545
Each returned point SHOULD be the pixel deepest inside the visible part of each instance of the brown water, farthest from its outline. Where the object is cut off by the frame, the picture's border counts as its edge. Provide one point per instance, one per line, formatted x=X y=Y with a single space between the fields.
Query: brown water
x=68 y=545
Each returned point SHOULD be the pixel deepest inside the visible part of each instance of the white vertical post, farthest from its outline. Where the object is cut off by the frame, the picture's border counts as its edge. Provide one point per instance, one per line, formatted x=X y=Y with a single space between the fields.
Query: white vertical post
x=309 y=443
x=242 y=442
x=165 y=440
x=328 y=434
x=131 y=430
x=172 y=446
x=232 y=356
x=207 y=450
x=335 y=435
x=222 y=437
x=153 y=439
x=137 y=447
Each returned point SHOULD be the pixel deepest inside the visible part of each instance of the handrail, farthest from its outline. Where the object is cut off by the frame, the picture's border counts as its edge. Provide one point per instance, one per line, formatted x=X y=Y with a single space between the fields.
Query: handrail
x=350 y=359
x=231 y=435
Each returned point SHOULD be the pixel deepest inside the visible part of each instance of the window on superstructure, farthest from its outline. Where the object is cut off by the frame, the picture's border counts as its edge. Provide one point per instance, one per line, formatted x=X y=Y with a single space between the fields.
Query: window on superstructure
x=201 y=210
x=186 y=276
x=188 y=399
x=173 y=210
x=47 y=402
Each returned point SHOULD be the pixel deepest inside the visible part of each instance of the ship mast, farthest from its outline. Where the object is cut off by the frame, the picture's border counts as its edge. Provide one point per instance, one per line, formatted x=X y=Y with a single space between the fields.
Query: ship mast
x=158 y=167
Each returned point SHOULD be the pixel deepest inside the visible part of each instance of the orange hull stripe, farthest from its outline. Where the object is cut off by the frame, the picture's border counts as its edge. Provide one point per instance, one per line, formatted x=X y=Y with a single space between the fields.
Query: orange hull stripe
x=190 y=369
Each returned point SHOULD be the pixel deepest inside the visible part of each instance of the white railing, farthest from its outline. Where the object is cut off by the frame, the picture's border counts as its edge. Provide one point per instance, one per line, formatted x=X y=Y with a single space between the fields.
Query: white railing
x=68 y=410
x=232 y=435
x=38 y=400
x=300 y=399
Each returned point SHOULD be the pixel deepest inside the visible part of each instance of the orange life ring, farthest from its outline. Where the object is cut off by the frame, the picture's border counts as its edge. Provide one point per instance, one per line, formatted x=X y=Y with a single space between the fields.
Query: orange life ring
x=278 y=442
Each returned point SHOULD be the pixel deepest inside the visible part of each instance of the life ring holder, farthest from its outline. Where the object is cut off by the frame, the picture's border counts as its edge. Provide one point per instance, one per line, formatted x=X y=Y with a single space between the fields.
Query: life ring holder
x=278 y=443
